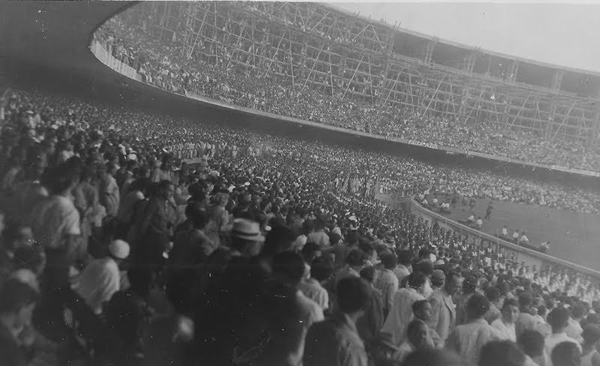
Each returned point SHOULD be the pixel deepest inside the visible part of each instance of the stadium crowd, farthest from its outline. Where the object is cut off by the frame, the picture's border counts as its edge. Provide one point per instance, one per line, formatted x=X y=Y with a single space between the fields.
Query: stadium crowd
x=114 y=249
x=212 y=72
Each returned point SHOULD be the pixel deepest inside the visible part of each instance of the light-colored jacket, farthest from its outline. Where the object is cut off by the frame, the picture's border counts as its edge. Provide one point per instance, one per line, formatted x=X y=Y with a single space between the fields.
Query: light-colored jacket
x=401 y=314
x=443 y=313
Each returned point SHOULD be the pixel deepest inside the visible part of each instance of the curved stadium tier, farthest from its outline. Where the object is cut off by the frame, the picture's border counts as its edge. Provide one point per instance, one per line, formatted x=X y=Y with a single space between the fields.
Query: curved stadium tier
x=318 y=63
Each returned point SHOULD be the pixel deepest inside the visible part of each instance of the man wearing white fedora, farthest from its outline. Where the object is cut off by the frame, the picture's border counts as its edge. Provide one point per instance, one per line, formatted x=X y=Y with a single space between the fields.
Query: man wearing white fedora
x=246 y=238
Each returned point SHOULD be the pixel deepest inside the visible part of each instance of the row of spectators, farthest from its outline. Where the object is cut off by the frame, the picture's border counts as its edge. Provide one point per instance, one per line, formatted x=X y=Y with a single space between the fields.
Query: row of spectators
x=112 y=249
x=212 y=71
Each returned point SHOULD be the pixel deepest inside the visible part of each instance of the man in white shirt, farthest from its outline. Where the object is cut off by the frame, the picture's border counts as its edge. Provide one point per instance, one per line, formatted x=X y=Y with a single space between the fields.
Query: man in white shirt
x=401 y=312
x=504 y=233
x=515 y=236
x=479 y=223
x=468 y=339
x=574 y=329
x=321 y=270
x=100 y=280
x=288 y=267
x=506 y=324
x=387 y=282
x=524 y=240
x=559 y=321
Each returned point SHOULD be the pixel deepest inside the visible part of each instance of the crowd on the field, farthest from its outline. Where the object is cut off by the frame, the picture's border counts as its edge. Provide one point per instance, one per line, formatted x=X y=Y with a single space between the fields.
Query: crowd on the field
x=115 y=251
x=211 y=71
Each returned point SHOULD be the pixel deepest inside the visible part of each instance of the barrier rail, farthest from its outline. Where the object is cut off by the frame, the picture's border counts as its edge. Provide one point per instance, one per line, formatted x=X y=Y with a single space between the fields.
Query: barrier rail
x=512 y=252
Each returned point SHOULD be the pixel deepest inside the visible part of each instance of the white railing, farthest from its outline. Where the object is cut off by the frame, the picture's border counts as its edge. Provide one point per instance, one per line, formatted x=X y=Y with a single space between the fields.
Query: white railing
x=512 y=252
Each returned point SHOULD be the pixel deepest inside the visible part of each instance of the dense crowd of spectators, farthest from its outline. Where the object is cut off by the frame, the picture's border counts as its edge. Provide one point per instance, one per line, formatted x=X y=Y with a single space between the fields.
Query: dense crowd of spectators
x=114 y=249
x=211 y=70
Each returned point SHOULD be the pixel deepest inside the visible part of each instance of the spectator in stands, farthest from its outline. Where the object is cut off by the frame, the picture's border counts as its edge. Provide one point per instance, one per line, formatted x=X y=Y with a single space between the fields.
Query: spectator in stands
x=369 y=325
x=404 y=267
x=401 y=312
x=100 y=280
x=336 y=341
x=156 y=228
x=574 y=329
x=468 y=339
x=438 y=278
x=355 y=262
x=319 y=236
x=506 y=323
x=566 y=354
x=589 y=354
x=493 y=294
x=422 y=311
x=164 y=172
x=321 y=271
x=17 y=302
x=526 y=321
x=559 y=321
x=288 y=267
x=469 y=288
x=387 y=282
x=443 y=318
x=532 y=344
x=416 y=339
x=501 y=353
x=109 y=190
x=56 y=226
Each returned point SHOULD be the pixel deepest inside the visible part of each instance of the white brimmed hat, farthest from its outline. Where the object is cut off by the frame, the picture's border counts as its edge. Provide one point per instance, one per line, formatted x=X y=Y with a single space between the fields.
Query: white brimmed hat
x=247 y=230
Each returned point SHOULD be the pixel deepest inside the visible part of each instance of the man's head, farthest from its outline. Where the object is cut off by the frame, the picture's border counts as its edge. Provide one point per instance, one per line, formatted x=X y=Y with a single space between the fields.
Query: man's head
x=321 y=269
x=510 y=311
x=525 y=300
x=438 y=278
x=566 y=354
x=454 y=283
x=416 y=333
x=368 y=274
x=356 y=258
x=166 y=189
x=388 y=260
x=578 y=311
x=501 y=353
x=196 y=213
x=422 y=310
x=353 y=295
x=405 y=257
x=17 y=302
x=591 y=335
x=558 y=319
x=246 y=237
x=416 y=280
x=477 y=306
x=532 y=343
x=494 y=295
x=288 y=266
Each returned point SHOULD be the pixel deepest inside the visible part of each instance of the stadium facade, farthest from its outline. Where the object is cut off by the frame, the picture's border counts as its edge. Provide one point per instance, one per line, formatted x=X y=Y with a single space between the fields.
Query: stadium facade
x=345 y=54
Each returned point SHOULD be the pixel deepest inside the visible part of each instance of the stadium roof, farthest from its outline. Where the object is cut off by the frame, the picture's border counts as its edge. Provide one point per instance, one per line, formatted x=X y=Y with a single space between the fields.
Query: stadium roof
x=426 y=37
x=53 y=33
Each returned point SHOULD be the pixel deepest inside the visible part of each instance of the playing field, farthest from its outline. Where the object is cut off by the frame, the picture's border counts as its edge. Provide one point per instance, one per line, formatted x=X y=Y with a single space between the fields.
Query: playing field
x=574 y=237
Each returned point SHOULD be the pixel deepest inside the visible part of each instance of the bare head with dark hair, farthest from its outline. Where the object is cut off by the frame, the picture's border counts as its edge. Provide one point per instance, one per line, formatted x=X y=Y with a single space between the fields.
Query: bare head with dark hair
x=566 y=354
x=477 y=306
x=434 y=357
x=501 y=353
x=353 y=295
